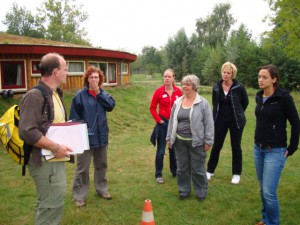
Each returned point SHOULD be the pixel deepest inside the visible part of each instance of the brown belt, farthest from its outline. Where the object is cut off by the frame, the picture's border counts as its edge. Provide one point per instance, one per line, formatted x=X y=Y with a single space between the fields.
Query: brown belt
x=265 y=146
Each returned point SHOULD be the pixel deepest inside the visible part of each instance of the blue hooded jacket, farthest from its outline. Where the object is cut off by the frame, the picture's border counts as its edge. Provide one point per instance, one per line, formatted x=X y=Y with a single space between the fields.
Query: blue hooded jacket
x=93 y=112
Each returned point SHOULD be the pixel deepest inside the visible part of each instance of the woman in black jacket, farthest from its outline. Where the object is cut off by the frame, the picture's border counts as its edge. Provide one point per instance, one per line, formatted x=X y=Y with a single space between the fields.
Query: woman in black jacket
x=230 y=100
x=274 y=106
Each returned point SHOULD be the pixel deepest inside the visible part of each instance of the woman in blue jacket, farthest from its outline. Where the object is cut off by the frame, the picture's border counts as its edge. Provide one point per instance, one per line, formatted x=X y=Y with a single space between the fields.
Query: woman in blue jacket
x=274 y=107
x=90 y=105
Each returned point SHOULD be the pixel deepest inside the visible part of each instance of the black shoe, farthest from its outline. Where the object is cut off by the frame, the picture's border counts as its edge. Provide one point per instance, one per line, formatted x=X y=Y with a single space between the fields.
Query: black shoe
x=182 y=197
x=201 y=199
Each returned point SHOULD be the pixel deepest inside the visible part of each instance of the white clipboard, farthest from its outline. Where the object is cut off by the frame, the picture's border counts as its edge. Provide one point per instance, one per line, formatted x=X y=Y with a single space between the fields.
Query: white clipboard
x=71 y=134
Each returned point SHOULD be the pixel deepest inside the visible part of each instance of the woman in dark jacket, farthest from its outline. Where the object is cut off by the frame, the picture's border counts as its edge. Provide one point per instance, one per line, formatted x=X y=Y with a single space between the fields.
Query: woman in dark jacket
x=90 y=105
x=230 y=100
x=274 y=107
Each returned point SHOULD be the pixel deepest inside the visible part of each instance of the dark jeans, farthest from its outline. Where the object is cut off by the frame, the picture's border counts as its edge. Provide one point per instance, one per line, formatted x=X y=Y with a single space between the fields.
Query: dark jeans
x=160 y=152
x=221 y=128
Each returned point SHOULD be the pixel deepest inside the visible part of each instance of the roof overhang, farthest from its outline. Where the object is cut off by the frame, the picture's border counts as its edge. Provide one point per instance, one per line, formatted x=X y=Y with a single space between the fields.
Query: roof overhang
x=65 y=51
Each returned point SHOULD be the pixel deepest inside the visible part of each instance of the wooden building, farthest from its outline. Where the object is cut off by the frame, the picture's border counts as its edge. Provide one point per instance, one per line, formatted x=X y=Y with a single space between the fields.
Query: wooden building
x=20 y=57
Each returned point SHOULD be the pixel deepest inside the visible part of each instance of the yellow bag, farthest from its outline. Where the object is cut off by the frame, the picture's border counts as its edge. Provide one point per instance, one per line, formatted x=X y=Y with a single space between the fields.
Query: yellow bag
x=9 y=136
x=9 y=132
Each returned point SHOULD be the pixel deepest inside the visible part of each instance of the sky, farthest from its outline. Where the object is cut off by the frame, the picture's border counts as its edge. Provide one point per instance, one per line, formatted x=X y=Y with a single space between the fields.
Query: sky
x=133 y=24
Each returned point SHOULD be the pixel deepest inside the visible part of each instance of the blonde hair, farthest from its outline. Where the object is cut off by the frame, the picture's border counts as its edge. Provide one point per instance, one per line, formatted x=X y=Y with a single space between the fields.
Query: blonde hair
x=231 y=66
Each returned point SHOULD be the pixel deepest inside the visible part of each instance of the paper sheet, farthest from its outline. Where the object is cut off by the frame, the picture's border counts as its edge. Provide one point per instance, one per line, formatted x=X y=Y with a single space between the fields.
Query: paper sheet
x=73 y=135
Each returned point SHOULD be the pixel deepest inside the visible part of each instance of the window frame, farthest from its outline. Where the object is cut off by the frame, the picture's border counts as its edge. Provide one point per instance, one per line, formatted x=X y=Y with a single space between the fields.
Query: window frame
x=126 y=71
x=106 y=73
x=76 y=73
x=22 y=63
x=35 y=72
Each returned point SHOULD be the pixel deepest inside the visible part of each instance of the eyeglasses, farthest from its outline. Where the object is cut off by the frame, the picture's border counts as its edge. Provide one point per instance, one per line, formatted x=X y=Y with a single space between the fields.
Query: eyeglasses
x=186 y=84
x=95 y=78
x=66 y=70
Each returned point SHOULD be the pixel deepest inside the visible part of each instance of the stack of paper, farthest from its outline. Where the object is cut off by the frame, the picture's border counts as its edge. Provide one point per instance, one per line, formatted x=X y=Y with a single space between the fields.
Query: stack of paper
x=71 y=134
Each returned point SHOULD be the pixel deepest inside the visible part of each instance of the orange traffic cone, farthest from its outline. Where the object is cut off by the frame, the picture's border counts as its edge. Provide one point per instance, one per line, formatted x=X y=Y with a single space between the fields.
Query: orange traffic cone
x=147 y=217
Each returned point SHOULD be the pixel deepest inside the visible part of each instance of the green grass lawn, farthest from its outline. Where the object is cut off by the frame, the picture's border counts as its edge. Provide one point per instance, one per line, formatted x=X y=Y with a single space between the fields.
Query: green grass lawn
x=131 y=177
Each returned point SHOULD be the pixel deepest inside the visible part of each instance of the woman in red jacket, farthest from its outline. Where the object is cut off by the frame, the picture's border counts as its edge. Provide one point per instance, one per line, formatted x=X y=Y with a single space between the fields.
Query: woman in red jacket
x=164 y=98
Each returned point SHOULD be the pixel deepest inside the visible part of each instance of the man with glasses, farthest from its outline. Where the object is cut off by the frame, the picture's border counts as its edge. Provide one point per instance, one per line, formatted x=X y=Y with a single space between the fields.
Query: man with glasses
x=49 y=177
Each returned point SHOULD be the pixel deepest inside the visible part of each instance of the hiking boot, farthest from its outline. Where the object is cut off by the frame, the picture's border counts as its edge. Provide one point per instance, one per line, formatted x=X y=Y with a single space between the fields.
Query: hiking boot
x=260 y=223
x=79 y=203
x=160 y=180
x=200 y=199
x=182 y=197
x=209 y=175
x=236 y=179
x=106 y=196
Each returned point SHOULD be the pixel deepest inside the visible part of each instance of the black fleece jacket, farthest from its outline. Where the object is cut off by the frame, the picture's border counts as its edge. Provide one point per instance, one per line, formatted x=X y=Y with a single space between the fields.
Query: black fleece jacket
x=238 y=99
x=271 y=121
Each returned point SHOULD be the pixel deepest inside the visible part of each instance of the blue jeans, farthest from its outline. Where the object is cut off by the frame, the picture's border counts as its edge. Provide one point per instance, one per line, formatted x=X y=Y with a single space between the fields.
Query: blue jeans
x=160 y=152
x=269 y=163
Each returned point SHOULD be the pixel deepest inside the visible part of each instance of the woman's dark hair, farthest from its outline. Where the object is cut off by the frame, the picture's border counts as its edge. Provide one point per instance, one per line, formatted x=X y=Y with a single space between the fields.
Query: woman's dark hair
x=89 y=71
x=274 y=72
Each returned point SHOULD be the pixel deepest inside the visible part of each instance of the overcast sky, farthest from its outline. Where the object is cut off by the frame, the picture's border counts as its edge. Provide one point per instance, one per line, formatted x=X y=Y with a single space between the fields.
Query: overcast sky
x=129 y=25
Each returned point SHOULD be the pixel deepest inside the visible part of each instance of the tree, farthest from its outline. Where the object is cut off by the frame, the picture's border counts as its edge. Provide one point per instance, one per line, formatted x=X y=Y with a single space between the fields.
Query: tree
x=62 y=21
x=151 y=59
x=280 y=46
x=288 y=67
x=20 y=21
x=136 y=66
x=207 y=51
x=56 y=20
x=178 y=54
x=214 y=29
x=212 y=65
x=241 y=50
x=199 y=57
x=286 y=21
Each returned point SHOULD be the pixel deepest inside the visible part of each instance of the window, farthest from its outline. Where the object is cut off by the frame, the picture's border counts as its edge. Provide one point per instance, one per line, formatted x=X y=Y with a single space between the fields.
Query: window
x=112 y=73
x=12 y=74
x=124 y=68
x=108 y=69
x=35 y=68
x=93 y=64
x=103 y=67
x=75 y=68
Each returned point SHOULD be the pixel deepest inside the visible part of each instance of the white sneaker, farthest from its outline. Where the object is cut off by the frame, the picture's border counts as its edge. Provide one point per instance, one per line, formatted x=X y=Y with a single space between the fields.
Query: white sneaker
x=209 y=175
x=236 y=179
x=160 y=180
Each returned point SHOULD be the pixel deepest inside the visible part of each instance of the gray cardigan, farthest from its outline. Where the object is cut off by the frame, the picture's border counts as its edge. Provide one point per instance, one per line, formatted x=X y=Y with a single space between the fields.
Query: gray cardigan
x=201 y=122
